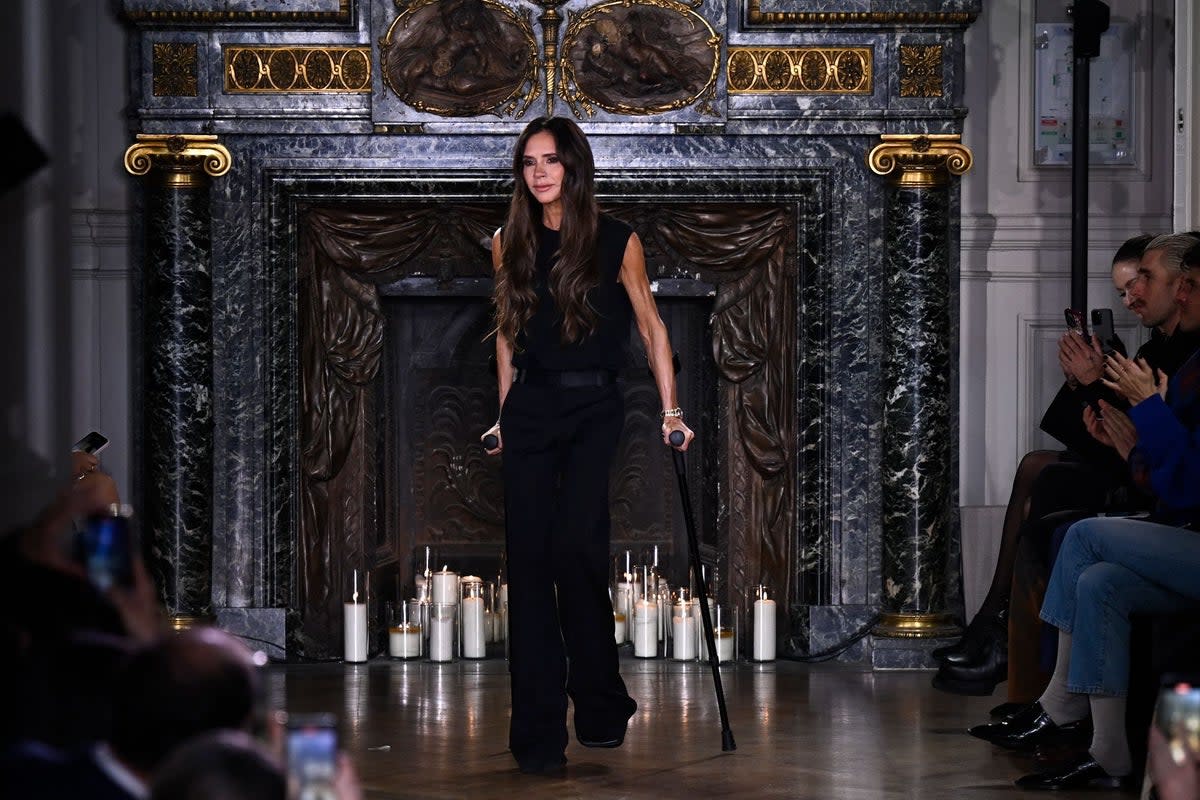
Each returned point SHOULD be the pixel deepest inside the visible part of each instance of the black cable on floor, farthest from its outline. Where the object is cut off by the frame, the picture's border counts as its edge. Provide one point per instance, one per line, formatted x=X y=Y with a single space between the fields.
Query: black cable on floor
x=831 y=653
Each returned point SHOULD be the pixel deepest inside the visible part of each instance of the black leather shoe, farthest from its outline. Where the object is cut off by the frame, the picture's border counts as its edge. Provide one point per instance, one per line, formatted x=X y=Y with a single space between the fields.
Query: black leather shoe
x=1005 y=710
x=978 y=677
x=542 y=764
x=981 y=632
x=1078 y=773
x=596 y=731
x=1039 y=731
x=1014 y=722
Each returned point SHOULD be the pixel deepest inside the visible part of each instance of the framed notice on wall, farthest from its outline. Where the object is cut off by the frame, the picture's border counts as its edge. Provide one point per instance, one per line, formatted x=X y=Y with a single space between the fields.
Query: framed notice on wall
x=1110 y=131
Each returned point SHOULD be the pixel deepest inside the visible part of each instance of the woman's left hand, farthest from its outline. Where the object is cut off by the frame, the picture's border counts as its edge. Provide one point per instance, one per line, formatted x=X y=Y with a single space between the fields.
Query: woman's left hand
x=1134 y=380
x=1119 y=428
x=676 y=424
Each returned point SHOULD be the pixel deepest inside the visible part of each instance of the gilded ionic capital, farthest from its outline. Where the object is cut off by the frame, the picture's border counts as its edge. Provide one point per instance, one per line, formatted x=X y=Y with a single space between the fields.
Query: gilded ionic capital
x=921 y=160
x=183 y=159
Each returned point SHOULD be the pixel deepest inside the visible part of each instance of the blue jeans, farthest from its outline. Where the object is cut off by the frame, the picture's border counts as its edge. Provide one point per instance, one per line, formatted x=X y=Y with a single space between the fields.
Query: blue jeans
x=1109 y=568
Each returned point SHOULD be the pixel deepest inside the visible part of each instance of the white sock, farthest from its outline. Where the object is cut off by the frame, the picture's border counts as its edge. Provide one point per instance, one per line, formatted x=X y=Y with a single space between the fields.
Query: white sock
x=1062 y=705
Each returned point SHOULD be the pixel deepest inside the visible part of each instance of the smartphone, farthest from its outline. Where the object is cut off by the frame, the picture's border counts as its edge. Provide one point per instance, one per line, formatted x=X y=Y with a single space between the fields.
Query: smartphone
x=1178 y=711
x=312 y=746
x=1102 y=326
x=93 y=443
x=1075 y=321
x=105 y=547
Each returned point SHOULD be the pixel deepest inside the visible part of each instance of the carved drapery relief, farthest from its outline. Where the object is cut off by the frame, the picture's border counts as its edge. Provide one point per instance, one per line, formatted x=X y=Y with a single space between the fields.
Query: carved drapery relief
x=743 y=249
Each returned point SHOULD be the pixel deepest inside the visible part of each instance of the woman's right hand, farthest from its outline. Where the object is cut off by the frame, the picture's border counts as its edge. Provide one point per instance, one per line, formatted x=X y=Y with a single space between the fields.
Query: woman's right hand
x=493 y=431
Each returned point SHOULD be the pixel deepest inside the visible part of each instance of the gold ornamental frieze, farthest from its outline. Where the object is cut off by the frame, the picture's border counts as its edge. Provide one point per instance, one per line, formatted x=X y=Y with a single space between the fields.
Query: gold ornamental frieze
x=289 y=69
x=800 y=70
x=461 y=58
x=920 y=161
x=757 y=17
x=174 y=69
x=921 y=70
x=344 y=14
x=182 y=160
x=639 y=57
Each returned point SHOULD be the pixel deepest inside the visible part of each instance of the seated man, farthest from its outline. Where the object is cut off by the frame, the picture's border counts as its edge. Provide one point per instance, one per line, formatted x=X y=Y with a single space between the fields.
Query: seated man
x=1111 y=568
x=1145 y=273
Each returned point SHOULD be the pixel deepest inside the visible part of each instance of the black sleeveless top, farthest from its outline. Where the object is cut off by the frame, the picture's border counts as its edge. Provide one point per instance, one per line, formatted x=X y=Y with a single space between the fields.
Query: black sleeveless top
x=540 y=345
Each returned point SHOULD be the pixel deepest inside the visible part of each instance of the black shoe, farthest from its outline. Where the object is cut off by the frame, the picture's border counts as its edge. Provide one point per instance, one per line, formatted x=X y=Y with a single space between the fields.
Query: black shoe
x=605 y=735
x=1005 y=710
x=1019 y=720
x=1039 y=731
x=978 y=677
x=982 y=634
x=1079 y=773
x=542 y=764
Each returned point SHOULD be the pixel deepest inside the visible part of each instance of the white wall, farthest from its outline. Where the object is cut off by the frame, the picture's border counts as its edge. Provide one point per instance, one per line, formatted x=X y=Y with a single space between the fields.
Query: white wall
x=65 y=237
x=1017 y=232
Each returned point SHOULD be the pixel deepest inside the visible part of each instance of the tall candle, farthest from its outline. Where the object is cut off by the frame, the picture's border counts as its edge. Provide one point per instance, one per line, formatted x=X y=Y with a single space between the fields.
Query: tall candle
x=404 y=641
x=354 y=617
x=683 y=629
x=764 y=629
x=473 y=643
x=725 y=644
x=441 y=632
x=445 y=586
x=645 y=629
x=619 y=632
x=502 y=623
x=489 y=625
x=624 y=603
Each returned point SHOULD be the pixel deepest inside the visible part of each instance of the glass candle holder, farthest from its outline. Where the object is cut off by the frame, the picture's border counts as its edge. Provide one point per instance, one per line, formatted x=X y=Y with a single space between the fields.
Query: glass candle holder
x=623 y=591
x=725 y=633
x=442 y=639
x=445 y=586
x=404 y=632
x=471 y=618
x=489 y=612
x=761 y=622
x=683 y=627
x=645 y=618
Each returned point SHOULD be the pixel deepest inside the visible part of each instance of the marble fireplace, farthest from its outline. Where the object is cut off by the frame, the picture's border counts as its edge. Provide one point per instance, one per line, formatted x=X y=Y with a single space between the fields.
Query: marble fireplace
x=321 y=181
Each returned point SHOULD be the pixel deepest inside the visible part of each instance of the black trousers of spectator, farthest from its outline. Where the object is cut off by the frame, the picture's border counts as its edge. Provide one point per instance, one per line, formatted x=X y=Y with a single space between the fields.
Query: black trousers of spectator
x=559 y=445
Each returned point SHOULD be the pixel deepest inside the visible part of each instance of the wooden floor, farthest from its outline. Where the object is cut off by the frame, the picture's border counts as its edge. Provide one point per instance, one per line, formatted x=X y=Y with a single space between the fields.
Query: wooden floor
x=421 y=730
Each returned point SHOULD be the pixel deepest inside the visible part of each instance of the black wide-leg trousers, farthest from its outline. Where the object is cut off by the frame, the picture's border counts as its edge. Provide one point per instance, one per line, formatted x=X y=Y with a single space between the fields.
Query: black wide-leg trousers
x=559 y=444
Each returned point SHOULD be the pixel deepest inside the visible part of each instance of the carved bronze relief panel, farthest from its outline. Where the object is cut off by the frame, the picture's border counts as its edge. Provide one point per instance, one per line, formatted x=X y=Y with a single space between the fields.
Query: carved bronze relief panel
x=461 y=58
x=640 y=57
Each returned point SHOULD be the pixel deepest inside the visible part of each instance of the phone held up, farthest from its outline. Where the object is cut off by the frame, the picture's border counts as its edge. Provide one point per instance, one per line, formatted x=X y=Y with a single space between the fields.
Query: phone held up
x=1075 y=321
x=312 y=748
x=93 y=443
x=1102 y=326
x=1177 y=714
x=105 y=548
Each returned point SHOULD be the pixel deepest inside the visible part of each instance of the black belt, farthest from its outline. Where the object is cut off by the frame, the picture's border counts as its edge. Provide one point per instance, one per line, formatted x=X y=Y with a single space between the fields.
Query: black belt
x=570 y=378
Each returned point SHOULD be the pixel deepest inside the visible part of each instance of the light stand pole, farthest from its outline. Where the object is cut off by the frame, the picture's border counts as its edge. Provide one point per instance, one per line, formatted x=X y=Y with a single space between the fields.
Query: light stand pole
x=1090 y=18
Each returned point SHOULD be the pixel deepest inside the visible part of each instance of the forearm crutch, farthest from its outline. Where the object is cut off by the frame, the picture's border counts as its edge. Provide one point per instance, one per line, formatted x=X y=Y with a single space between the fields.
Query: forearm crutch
x=677 y=438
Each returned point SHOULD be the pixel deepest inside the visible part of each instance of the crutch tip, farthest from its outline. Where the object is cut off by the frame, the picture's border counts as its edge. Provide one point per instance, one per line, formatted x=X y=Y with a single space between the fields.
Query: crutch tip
x=727 y=743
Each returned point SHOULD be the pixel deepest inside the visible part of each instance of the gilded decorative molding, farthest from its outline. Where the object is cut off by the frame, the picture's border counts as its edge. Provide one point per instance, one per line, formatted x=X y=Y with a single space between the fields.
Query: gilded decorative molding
x=174 y=68
x=184 y=160
x=756 y=16
x=921 y=70
x=151 y=16
x=800 y=70
x=915 y=626
x=639 y=57
x=923 y=160
x=551 y=21
x=324 y=69
x=461 y=59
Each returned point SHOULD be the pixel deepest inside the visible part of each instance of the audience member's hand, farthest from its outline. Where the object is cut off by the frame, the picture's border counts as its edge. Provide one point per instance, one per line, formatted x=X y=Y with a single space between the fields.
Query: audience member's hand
x=1120 y=429
x=1133 y=380
x=1082 y=364
x=346 y=784
x=45 y=542
x=138 y=605
x=1174 y=768
x=1095 y=426
x=82 y=464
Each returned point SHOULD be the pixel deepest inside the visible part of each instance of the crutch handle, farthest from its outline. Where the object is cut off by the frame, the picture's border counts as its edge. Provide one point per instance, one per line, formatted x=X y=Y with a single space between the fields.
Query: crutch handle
x=491 y=441
x=676 y=438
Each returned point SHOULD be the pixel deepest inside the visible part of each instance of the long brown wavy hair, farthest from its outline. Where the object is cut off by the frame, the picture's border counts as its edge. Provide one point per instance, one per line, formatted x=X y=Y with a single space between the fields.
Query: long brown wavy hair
x=576 y=273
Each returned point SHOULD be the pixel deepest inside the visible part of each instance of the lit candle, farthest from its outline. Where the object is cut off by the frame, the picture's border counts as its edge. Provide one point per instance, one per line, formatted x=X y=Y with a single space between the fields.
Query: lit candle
x=624 y=604
x=725 y=644
x=502 y=622
x=683 y=631
x=445 y=586
x=354 y=618
x=619 y=627
x=474 y=643
x=645 y=629
x=764 y=627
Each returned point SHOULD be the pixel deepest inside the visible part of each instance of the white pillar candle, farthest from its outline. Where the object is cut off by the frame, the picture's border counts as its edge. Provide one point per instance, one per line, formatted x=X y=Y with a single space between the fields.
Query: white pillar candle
x=354 y=618
x=404 y=641
x=624 y=605
x=619 y=631
x=502 y=623
x=489 y=626
x=445 y=586
x=645 y=629
x=683 y=631
x=473 y=643
x=764 y=630
x=441 y=633
x=725 y=644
